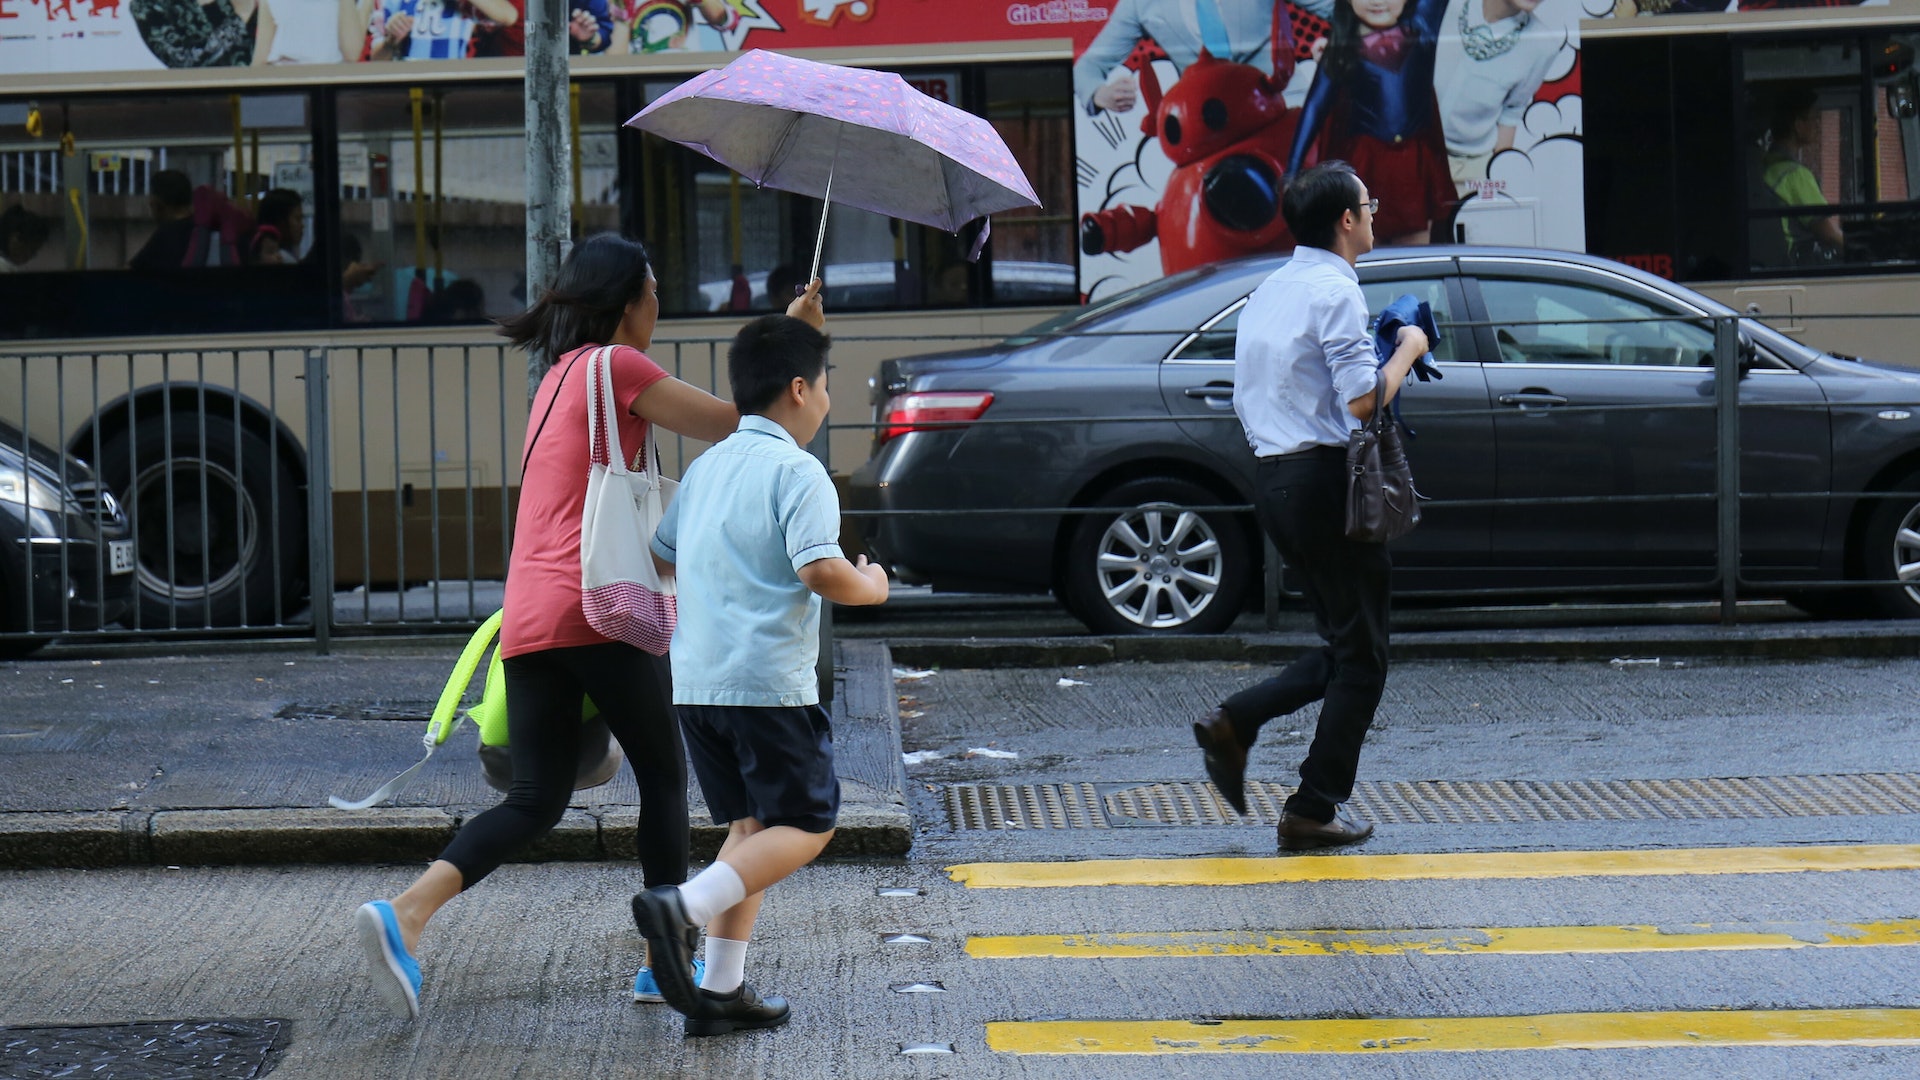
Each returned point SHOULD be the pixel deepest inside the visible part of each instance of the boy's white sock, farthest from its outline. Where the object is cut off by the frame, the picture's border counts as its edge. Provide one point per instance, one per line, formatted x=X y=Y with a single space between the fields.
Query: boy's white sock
x=726 y=965
x=711 y=892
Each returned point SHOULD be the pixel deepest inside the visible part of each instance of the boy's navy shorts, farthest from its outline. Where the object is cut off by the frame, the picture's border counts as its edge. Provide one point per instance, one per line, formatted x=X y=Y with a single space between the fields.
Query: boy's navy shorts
x=772 y=763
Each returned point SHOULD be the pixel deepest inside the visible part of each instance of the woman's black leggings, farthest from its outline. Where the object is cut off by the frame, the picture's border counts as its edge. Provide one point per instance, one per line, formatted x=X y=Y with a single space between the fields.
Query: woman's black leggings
x=634 y=693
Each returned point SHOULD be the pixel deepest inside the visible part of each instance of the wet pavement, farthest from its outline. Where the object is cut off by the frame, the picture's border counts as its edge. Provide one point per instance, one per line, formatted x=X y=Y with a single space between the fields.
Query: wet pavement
x=1695 y=866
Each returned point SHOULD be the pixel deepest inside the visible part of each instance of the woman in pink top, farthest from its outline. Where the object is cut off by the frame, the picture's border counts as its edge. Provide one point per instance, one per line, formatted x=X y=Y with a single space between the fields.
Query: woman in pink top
x=605 y=295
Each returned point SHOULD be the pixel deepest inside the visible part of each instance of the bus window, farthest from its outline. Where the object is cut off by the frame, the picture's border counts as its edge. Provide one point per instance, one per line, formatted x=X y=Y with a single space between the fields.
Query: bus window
x=433 y=198
x=1830 y=159
x=144 y=215
x=722 y=244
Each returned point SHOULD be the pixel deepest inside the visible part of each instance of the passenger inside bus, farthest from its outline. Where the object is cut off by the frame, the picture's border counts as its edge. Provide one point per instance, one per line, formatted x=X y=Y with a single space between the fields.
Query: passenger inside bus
x=171 y=202
x=22 y=234
x=1794 y=135
x=281 y=229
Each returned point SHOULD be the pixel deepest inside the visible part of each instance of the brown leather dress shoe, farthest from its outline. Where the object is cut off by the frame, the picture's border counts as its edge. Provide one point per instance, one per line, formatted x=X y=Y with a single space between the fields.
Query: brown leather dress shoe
x=1226 y=759
x=1299 y=833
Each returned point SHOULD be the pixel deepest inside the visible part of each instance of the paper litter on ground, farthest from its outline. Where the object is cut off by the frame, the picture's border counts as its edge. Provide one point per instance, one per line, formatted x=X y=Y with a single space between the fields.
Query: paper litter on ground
x=919 y=757
x=905 y=675
x=987 y=751
x=1064 y=681
x=1623 y=661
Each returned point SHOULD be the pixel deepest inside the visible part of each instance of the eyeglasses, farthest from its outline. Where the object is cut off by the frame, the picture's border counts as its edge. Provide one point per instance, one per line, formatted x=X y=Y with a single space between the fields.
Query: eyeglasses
x=1372 y=206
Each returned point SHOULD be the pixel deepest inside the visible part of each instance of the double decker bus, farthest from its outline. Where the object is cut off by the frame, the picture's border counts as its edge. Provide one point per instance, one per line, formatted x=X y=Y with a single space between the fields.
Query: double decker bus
x=239 y=236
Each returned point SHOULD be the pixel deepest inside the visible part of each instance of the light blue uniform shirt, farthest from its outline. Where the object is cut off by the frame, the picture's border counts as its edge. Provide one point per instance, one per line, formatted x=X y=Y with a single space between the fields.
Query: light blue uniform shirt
x=751 y=512
x=1302 y=351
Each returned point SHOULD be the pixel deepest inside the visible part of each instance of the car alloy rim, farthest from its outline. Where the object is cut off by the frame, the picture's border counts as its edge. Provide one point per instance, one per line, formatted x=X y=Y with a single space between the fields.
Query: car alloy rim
x=228 y=509
x=1159 y=566
x=1906 y=553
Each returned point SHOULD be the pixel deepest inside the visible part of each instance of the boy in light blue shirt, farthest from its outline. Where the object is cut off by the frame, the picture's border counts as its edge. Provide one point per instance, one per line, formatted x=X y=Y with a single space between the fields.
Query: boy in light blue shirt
x=753 y=539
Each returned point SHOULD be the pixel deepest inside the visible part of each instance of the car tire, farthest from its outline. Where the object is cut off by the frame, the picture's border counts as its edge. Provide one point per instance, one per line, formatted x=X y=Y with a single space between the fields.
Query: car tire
x=1890 y=541
x=1150 y=567
x=229 y=576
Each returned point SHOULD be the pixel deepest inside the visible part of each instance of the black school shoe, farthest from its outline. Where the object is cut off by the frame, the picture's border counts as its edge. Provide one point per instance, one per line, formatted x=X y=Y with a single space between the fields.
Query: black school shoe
x=662 y=918
x=742 y=1010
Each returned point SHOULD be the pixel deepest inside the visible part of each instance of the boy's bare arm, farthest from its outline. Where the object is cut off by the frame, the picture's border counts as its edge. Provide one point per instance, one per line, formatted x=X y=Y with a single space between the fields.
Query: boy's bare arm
x=853 y=584
x=661 y=566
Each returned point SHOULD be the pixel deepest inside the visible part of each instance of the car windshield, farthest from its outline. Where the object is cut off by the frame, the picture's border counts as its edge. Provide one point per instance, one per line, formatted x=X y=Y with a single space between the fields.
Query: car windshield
x=1077 y=319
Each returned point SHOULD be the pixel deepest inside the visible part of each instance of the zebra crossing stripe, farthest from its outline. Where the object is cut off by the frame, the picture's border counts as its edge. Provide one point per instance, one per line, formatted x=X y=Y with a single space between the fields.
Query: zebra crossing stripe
x=1473 y=941
x=1382 y=1035
x=1479 y=865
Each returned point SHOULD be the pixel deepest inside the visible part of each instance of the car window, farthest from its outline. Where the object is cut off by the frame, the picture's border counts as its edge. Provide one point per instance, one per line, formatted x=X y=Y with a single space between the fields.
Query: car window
x=1432 y=290
x=1547 y=322
x=1216 y=341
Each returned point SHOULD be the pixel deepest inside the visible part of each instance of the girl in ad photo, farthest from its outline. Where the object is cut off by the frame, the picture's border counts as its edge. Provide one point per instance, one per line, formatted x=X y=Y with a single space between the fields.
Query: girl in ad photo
x=1372 y=104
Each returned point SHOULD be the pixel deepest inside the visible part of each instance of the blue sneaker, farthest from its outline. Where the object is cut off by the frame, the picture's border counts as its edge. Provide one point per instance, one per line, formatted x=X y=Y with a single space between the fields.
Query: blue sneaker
x=645 y=989
x=395 y=973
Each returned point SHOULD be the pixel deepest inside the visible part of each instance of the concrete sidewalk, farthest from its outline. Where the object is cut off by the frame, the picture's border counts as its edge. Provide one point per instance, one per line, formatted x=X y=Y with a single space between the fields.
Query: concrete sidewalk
x=165 y=755
x=229 y=759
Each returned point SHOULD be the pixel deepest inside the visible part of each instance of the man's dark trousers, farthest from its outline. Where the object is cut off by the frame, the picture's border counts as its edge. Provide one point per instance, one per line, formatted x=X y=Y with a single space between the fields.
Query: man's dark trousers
x=1302 y=504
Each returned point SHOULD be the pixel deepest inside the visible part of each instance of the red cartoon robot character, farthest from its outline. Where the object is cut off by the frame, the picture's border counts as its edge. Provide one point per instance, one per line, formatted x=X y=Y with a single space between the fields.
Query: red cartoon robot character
x=1227 y=131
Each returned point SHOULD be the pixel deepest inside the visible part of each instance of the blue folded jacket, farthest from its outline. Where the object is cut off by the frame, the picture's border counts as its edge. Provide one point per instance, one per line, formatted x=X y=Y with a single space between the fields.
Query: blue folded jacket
x=1406 y=310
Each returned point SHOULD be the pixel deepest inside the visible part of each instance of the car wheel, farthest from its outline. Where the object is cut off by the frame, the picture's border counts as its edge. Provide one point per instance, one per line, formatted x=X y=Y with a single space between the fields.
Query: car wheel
x=1151 y=566
x=228 y=550
x=1890 y=551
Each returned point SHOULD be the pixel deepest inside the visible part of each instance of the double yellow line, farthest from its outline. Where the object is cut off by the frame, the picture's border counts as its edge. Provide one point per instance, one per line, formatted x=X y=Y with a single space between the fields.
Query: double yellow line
x=1587 y=1030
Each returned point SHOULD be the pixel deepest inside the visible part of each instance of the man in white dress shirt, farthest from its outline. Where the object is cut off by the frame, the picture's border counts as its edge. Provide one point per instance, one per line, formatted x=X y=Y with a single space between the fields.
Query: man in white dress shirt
x=1305 y=372
x=1493 y=56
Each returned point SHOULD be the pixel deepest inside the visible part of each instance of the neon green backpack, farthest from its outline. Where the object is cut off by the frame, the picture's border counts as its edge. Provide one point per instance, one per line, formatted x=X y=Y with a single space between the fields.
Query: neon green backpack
x=600 y=754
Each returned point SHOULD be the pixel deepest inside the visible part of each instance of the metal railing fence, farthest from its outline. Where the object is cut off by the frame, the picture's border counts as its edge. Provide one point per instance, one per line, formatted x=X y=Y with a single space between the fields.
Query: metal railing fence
x=217 y=492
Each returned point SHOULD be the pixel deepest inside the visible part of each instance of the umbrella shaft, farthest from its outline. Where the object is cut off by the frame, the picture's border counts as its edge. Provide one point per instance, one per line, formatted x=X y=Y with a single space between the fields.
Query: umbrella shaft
x=820 y=241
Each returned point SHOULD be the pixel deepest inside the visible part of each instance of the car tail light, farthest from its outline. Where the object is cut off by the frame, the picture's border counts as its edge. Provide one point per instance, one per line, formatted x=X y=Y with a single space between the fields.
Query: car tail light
x=932 y=409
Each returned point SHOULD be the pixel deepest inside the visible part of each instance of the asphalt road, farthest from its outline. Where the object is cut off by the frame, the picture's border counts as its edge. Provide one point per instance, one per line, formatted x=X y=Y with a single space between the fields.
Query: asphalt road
x=1724 y=885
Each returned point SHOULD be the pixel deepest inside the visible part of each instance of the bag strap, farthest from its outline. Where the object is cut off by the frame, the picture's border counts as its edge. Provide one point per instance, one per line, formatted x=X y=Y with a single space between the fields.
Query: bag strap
x=603 y=432
x=543 y=417
x=444 y=722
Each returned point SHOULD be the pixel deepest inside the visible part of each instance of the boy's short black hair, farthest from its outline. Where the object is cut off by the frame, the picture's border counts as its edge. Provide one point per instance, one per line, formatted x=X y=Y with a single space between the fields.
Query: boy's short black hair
x=1316 y=198
x=768 y=354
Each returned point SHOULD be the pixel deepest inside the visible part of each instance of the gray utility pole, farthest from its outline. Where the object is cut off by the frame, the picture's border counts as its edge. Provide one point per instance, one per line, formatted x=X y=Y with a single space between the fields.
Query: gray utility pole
x=549 y=159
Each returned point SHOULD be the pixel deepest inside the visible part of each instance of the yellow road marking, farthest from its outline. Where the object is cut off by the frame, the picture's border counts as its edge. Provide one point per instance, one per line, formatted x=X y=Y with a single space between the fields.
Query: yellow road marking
x=1553 y=1031
x=1487 y=940
x=1456 y=866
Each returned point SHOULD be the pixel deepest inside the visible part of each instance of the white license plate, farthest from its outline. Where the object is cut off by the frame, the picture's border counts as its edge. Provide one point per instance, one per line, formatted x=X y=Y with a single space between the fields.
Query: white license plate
x=120 y=556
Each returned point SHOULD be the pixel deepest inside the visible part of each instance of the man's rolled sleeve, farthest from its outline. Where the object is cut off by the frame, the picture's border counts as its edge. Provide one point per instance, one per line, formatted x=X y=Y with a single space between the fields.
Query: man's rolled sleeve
x=1349 y=348
x=810 y=517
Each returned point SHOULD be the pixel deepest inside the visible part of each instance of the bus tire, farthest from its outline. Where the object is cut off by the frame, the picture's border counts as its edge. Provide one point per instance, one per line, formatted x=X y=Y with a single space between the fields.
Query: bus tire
x=1150 y=567
x=251 y=552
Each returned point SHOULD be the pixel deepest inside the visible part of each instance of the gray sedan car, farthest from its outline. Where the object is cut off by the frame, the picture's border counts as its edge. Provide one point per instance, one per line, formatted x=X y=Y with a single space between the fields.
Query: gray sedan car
x=1124 y=407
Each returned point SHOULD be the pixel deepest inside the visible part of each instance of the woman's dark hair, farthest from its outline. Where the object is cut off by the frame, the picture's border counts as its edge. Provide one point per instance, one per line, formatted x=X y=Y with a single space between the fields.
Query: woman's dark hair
x=1342 y=54
x=1316 y=198
x=768 y=354
x=277 y=207
x=600 y=277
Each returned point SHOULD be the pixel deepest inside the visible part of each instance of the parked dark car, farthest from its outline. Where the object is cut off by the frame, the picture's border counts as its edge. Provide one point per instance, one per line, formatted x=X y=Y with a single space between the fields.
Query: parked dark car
x=1125 y=406
x=68 y=560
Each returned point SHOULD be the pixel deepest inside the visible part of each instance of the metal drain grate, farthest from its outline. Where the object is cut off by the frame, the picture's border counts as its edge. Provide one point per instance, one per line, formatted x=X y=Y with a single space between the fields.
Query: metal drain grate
x=164 y=1050
x=1024 y=806
x=1438 y=802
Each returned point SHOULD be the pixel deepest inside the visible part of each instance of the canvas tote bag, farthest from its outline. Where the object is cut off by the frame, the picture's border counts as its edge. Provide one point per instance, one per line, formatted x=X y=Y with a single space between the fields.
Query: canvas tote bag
x=621 y=594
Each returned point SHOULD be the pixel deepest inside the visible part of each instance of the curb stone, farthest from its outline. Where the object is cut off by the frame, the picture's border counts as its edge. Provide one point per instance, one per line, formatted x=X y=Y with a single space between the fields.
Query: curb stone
x=874 y=819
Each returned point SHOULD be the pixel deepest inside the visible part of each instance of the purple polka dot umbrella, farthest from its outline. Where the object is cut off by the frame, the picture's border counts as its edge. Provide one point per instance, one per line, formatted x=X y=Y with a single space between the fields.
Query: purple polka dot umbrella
x=787 y=123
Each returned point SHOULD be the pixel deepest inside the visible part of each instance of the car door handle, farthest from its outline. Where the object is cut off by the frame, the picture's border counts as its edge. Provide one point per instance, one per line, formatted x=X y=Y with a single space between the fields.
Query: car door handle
x=1212 y=390
x=1532 y=397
